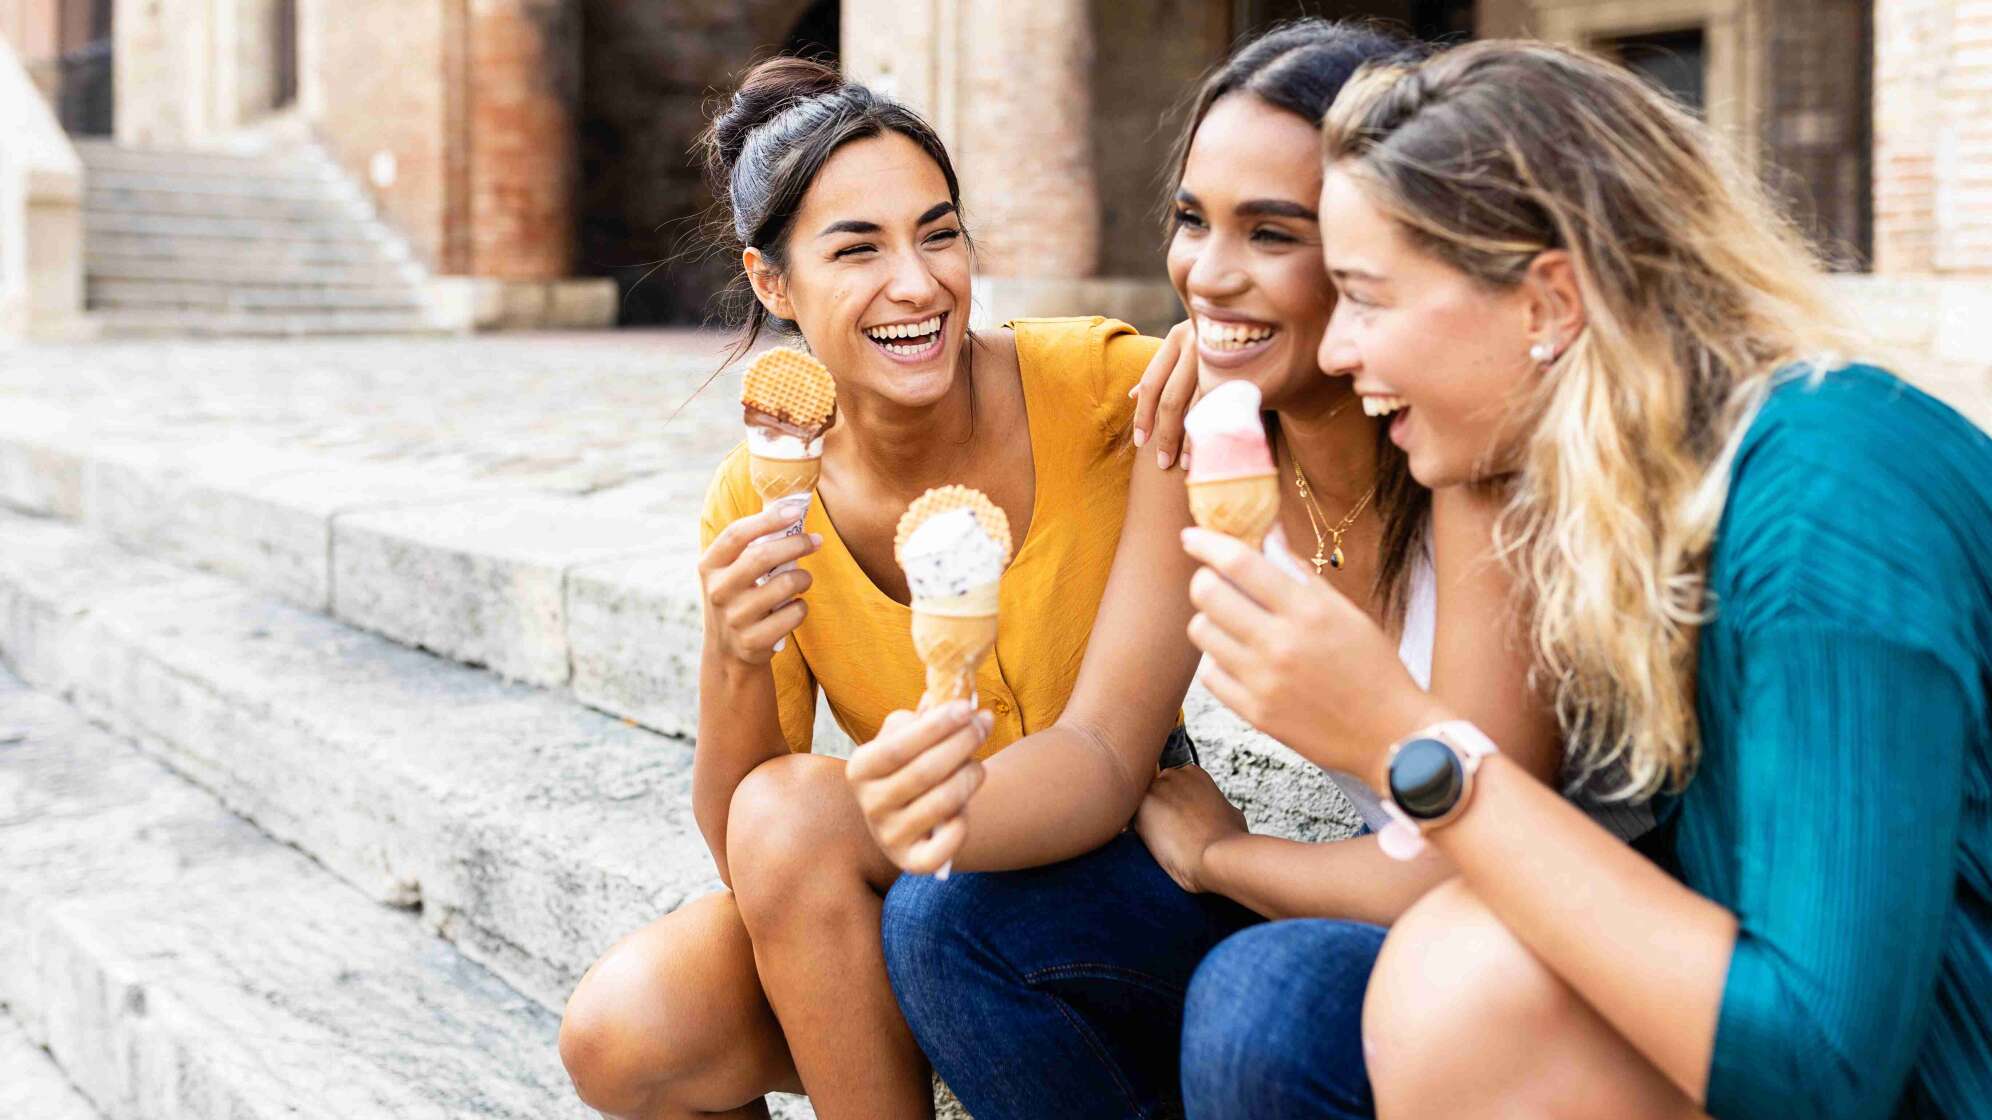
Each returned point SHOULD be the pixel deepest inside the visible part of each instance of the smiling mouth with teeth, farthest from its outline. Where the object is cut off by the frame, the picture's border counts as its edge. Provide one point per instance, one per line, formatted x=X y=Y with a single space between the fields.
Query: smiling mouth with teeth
x=908 y=339
x=1232 y=336
x=1380 y=405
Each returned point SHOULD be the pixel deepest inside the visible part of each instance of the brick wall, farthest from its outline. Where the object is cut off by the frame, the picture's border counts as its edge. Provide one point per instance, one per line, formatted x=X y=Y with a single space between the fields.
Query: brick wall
x=471 y=105
x=1933 y=137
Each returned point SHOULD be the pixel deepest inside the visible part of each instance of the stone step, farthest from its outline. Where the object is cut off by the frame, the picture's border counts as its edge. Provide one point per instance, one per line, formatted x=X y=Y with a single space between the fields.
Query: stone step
x=273 y=166
x=98 y=199
x=198 y=295
x=597 y=597
x=32 y=1086
x=179 y=963
x=313 y=264
x=244 y=229
x=119 y=322
x=318 y=184
x=528 y=830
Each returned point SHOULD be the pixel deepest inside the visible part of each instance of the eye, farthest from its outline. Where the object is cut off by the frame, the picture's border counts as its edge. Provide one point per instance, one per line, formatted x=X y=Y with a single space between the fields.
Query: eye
x=941 y=238
x=1268 y=235
x=1188 y=219
x=853 y=250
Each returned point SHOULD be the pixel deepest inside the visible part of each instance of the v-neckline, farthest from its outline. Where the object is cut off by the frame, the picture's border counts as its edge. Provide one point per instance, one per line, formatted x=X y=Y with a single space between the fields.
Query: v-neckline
x=835 y=549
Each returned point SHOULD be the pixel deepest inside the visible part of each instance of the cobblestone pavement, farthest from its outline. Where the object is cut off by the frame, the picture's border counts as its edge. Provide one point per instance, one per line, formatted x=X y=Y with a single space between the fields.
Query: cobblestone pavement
x=579 y=414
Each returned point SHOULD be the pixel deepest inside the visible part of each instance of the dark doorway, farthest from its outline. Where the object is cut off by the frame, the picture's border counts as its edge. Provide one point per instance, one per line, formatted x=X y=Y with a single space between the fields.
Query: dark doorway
x=1432 y=20
x=83 y=100
x=283 y=30
x=649 y=73
x=1676 y=61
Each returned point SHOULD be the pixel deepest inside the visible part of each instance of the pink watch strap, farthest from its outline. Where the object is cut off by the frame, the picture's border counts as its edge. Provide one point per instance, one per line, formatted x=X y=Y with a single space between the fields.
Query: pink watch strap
x=1404 y=837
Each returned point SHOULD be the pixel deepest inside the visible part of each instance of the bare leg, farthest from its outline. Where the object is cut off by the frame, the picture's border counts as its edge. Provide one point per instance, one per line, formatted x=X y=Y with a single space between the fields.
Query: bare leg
x=671 y=1023
x=1461 y=1020
x=811 y=885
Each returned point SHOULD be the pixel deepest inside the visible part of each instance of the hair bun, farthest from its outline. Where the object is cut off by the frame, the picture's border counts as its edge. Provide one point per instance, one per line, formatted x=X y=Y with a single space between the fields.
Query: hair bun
x=765 y=90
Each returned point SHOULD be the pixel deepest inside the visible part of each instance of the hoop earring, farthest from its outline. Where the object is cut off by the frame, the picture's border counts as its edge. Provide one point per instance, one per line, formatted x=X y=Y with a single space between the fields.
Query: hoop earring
x=1543 y=353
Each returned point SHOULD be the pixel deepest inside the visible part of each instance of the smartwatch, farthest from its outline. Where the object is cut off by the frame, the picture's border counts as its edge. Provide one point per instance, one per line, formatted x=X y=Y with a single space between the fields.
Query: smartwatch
x=1430 y=781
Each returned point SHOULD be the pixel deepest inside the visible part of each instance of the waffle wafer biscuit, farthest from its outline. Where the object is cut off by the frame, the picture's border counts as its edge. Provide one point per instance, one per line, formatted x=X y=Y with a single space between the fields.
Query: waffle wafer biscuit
x=793 y=388
x=987 y=513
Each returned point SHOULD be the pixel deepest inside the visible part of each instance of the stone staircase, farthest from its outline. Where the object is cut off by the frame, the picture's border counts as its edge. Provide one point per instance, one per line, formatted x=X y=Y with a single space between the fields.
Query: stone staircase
x=204 y=243
x=322 y=778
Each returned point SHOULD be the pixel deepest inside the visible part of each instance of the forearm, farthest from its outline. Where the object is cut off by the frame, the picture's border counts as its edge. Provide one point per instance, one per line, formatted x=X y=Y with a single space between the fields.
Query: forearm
x=1587 y=905
x=739 y=729
x=1049 y=797
x=1349 y=879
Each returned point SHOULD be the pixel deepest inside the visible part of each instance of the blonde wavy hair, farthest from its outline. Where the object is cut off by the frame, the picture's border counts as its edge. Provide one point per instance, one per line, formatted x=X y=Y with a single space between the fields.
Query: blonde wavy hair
x=1696 y=293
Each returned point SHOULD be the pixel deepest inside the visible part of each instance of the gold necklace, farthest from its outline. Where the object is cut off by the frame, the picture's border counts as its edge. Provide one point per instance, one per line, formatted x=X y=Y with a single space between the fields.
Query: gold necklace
x=1316 y=519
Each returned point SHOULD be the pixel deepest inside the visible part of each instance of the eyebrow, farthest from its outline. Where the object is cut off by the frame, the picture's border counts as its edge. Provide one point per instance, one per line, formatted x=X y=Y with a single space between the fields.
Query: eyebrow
x=855 y=225
x=1355 y=274
x=1258 y=207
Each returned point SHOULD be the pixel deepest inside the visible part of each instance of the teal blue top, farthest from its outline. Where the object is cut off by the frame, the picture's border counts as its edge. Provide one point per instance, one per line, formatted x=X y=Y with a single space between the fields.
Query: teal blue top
x=1840 y=809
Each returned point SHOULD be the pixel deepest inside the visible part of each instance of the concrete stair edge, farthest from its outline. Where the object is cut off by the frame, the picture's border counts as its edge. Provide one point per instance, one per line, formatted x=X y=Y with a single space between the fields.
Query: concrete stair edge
x=161 y=942
x=529 y=831
x=32 y=1086
x=537 y=589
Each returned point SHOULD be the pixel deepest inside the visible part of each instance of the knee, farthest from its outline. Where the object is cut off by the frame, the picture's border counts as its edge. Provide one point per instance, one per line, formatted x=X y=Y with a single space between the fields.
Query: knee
x=599 y=1047
x=1454 y=992
x=1273 y=1017
x=787 y=828
x=929 y=934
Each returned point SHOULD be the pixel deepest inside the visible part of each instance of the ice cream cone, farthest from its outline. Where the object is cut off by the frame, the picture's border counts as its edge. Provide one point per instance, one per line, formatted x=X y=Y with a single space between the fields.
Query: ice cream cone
x=780 y=478
x=1243 y=507
x=952 y=637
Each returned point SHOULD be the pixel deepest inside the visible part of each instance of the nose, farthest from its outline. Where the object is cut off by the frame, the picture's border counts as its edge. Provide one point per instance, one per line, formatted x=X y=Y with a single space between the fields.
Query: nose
x=912 y=281
x=1337 y=355
x=1216 y=273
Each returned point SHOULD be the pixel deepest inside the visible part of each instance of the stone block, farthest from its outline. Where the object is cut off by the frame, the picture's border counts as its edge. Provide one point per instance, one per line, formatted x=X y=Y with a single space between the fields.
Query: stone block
x=151 y=933
x=40 y=472
x=481 y=581
x=32 y=1085
x=635 y=630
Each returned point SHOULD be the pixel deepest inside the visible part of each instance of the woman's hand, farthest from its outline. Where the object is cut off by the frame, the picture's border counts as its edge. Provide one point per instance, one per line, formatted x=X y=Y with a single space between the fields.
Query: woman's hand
x=1167 y=389
x=913 y=781
x=1299 y=661
x=747 y=619
x=1182 y=816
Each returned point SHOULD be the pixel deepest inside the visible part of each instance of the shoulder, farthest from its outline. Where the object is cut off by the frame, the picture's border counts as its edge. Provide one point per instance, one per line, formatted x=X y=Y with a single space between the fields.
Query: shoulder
x=1858 y=500
x=1092 y=360
x=729 y=497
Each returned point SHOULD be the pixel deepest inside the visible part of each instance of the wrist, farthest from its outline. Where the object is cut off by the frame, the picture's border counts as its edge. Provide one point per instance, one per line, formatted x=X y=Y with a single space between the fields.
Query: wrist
x=1412 y=713
x=1208 y=875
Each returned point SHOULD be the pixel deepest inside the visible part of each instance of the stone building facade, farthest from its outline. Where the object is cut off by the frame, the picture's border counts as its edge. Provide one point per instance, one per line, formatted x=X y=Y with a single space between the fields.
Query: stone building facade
x=529 y=140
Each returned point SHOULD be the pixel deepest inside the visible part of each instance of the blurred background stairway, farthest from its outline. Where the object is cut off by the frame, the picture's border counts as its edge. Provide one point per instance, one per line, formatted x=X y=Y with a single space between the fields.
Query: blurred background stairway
x=207 y=243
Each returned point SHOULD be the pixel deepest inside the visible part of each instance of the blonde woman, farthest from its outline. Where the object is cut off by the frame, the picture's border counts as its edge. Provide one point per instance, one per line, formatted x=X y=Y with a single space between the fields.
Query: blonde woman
x=1765 y=573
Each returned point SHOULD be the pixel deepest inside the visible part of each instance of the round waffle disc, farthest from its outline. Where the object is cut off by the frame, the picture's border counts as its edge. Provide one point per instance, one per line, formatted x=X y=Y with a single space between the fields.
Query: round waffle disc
x=792 y=387
x=987 y=514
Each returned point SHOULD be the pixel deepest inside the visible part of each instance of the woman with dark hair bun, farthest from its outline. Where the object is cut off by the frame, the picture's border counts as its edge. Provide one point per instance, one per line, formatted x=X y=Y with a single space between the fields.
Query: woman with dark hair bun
x=846 y=213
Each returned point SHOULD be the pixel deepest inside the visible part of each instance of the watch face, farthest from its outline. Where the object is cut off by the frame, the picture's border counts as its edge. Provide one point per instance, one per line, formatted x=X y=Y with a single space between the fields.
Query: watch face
x=1426 y=779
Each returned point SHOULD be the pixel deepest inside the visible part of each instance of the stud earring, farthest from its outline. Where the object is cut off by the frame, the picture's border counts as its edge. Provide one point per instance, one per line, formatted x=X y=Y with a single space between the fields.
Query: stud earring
x=1543 y=353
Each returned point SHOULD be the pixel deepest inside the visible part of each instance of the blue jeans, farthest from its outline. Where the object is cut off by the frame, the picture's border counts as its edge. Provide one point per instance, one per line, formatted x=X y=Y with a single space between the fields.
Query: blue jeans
x=1273 y=1028
x=1059 y=991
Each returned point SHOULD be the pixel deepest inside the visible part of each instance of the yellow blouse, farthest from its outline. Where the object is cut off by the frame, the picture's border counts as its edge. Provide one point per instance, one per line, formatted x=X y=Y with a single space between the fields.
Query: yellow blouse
x=856 y=641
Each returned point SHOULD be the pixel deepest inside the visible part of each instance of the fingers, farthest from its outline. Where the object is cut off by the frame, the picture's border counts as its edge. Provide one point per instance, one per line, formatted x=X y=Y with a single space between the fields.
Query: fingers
x=932 y=809
x=735 y=538
x=1258 y=577
x=1218 y=645
x=927 y=770
x=1229 y=692
x=1177 y=397
x=761 y=636
x=757 y=560
x=1226 y=608
x=899 y=743
x=1148 y=391
x=924 y=857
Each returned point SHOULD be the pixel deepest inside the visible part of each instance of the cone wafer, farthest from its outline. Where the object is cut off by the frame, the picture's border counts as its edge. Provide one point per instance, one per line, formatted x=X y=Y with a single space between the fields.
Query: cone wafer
x=1244 y=507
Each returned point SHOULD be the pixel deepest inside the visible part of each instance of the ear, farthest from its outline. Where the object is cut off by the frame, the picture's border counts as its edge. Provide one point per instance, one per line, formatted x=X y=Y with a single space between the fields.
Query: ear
x=769 y=286
x=1555 y=303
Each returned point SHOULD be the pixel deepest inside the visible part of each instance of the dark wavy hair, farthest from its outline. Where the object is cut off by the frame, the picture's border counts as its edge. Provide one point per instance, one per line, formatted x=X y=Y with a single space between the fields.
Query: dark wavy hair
x=766 y=145
x=1301 y=67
